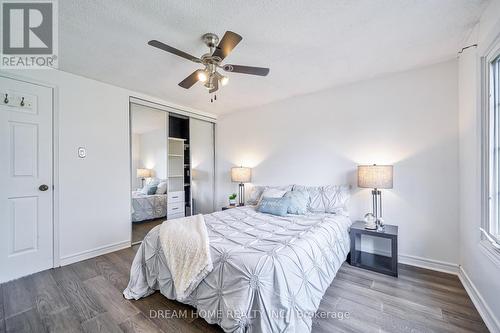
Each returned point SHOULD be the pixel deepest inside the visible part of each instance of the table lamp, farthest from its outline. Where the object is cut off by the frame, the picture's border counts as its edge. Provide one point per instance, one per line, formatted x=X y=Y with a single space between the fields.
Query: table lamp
x=241 y=175
x=376 y=177
x=143 y=174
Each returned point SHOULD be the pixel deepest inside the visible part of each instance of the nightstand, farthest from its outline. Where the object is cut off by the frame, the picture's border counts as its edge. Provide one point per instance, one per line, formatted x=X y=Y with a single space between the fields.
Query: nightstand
x=375 y=262
x=228 y=207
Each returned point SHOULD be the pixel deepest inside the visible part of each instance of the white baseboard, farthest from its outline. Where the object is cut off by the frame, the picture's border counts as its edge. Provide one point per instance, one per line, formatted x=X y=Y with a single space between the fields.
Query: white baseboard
x=435 y=265
x=482 y=307
x=484 y=310
x=98 y=251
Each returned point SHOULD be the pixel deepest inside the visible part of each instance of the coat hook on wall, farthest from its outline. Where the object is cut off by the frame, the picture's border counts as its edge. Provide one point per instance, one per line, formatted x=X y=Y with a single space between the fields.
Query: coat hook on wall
x=22 y=101
x=6 y=99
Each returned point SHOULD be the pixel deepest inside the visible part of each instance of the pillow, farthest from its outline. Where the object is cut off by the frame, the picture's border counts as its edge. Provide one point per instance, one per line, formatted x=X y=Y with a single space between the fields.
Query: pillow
x=162 y=188
x=315 y=203
x=274 y=206
x=148 y=189
x=336 y=198
x=273 y=193
x=257 y=190
x=298 y=202
x=152 y=181
x=255 y=194
x=326 y=199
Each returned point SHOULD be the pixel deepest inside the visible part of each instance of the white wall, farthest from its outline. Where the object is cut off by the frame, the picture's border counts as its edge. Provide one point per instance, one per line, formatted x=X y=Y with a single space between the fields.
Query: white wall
x=94 y=193
x=480 y=270
x=153 y=152
x=407 y=119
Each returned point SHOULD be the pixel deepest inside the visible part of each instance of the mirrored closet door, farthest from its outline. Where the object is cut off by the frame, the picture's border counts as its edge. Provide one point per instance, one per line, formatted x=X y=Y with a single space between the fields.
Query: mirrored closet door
x=149 y=168
x=172 y=166
x=203 y=165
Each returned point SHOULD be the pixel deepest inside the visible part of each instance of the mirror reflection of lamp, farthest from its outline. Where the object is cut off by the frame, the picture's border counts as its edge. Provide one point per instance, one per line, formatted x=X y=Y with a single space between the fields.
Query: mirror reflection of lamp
x=241 y=175
x=143 y=174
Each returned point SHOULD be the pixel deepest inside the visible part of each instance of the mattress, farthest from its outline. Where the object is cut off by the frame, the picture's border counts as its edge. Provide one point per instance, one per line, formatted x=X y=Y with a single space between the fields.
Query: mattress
x=147 y=207
x=270 y=273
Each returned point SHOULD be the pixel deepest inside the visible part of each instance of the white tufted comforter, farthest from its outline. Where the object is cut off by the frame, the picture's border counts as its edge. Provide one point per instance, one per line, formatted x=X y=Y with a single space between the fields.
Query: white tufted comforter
x=269 y=273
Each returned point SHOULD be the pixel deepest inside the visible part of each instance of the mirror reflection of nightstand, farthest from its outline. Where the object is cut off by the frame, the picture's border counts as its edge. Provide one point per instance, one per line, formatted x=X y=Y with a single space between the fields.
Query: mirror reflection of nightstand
x=375 y=262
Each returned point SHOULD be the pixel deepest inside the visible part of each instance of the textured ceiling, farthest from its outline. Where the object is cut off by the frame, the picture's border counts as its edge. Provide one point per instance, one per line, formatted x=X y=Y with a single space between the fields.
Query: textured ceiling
x=309 y=45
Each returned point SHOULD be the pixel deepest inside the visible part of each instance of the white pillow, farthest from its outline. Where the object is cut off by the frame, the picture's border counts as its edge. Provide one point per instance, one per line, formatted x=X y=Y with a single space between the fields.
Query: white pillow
x=255 y=194
x=273 y=193
x=162 y=188
x=326 y=199
x=257 y=190
x=336 y=198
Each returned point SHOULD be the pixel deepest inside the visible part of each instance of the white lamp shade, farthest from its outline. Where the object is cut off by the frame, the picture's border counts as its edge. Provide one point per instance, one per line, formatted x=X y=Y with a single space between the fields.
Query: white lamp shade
x=241 y=175
x=143 y=173
x=375 y=176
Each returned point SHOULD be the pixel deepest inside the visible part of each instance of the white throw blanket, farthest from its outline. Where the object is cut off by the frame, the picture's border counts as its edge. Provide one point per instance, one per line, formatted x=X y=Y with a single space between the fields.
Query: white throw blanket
x=186 y=247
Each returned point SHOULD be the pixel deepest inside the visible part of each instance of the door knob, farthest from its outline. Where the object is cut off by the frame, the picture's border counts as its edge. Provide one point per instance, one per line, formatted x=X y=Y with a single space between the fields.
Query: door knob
x=43 y=187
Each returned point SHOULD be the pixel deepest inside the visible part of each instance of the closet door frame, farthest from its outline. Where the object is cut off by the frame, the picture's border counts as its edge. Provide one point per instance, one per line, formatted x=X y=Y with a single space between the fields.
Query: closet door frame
x=175 y=111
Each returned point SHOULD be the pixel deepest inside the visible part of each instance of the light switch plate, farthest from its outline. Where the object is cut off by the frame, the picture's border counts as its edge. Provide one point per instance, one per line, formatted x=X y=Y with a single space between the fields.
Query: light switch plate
x=82 y=152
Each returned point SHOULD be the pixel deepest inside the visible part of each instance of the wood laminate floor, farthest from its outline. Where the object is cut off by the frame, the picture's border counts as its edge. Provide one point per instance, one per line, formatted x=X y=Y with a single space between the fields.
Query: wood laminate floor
x=140 y=229
x=86 y=297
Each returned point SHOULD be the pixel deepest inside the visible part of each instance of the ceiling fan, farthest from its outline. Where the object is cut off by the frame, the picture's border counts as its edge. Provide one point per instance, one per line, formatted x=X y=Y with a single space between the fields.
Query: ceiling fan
x=212 y=60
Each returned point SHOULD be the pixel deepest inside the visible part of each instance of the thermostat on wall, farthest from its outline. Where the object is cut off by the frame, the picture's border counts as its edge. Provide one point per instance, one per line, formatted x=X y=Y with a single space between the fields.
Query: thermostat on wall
x=82 y=152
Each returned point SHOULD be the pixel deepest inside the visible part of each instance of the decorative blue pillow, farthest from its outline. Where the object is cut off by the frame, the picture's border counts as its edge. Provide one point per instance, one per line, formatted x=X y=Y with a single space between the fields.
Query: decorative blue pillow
x=274 y=206
x=298 y=202
x=149 y=189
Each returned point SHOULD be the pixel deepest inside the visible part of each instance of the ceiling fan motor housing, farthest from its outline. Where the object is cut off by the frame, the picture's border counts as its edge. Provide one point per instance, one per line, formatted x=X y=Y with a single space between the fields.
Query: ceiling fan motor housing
x=210 y=39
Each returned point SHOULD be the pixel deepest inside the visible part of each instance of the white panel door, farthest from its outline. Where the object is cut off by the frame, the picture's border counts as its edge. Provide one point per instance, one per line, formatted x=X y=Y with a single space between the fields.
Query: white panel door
x=201 y=141
x=26 y=226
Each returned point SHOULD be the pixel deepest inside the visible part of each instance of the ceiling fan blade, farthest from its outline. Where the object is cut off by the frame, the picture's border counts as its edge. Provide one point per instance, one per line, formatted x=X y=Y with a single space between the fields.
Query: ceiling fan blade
x=227 y=44
x=261 y=71
x=190 y=80
x=173 y=50
x=216 y=86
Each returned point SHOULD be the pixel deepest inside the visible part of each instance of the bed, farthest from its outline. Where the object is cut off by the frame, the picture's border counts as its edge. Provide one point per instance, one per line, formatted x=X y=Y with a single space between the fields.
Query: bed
x=270 y=272
x=148 y=207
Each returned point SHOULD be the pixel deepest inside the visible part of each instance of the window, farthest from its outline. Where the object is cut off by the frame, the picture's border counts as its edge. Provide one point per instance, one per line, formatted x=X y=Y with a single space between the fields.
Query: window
x=491 y=221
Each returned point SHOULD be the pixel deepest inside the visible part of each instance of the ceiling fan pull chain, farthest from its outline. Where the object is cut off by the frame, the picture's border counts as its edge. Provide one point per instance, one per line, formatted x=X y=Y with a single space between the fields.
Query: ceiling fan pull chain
x=215 y=97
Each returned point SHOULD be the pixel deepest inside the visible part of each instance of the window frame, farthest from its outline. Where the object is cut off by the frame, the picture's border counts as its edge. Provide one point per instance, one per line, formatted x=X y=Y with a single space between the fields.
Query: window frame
x=490 y=152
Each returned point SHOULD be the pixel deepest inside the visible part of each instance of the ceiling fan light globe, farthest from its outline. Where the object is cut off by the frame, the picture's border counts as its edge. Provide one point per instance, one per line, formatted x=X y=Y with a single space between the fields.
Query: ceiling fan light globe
x=224 y=80
x=202 y=76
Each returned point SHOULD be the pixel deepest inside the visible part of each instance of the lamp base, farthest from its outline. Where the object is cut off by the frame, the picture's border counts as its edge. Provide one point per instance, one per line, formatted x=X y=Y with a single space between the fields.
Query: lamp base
x=241 y=195
x=371 y=227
